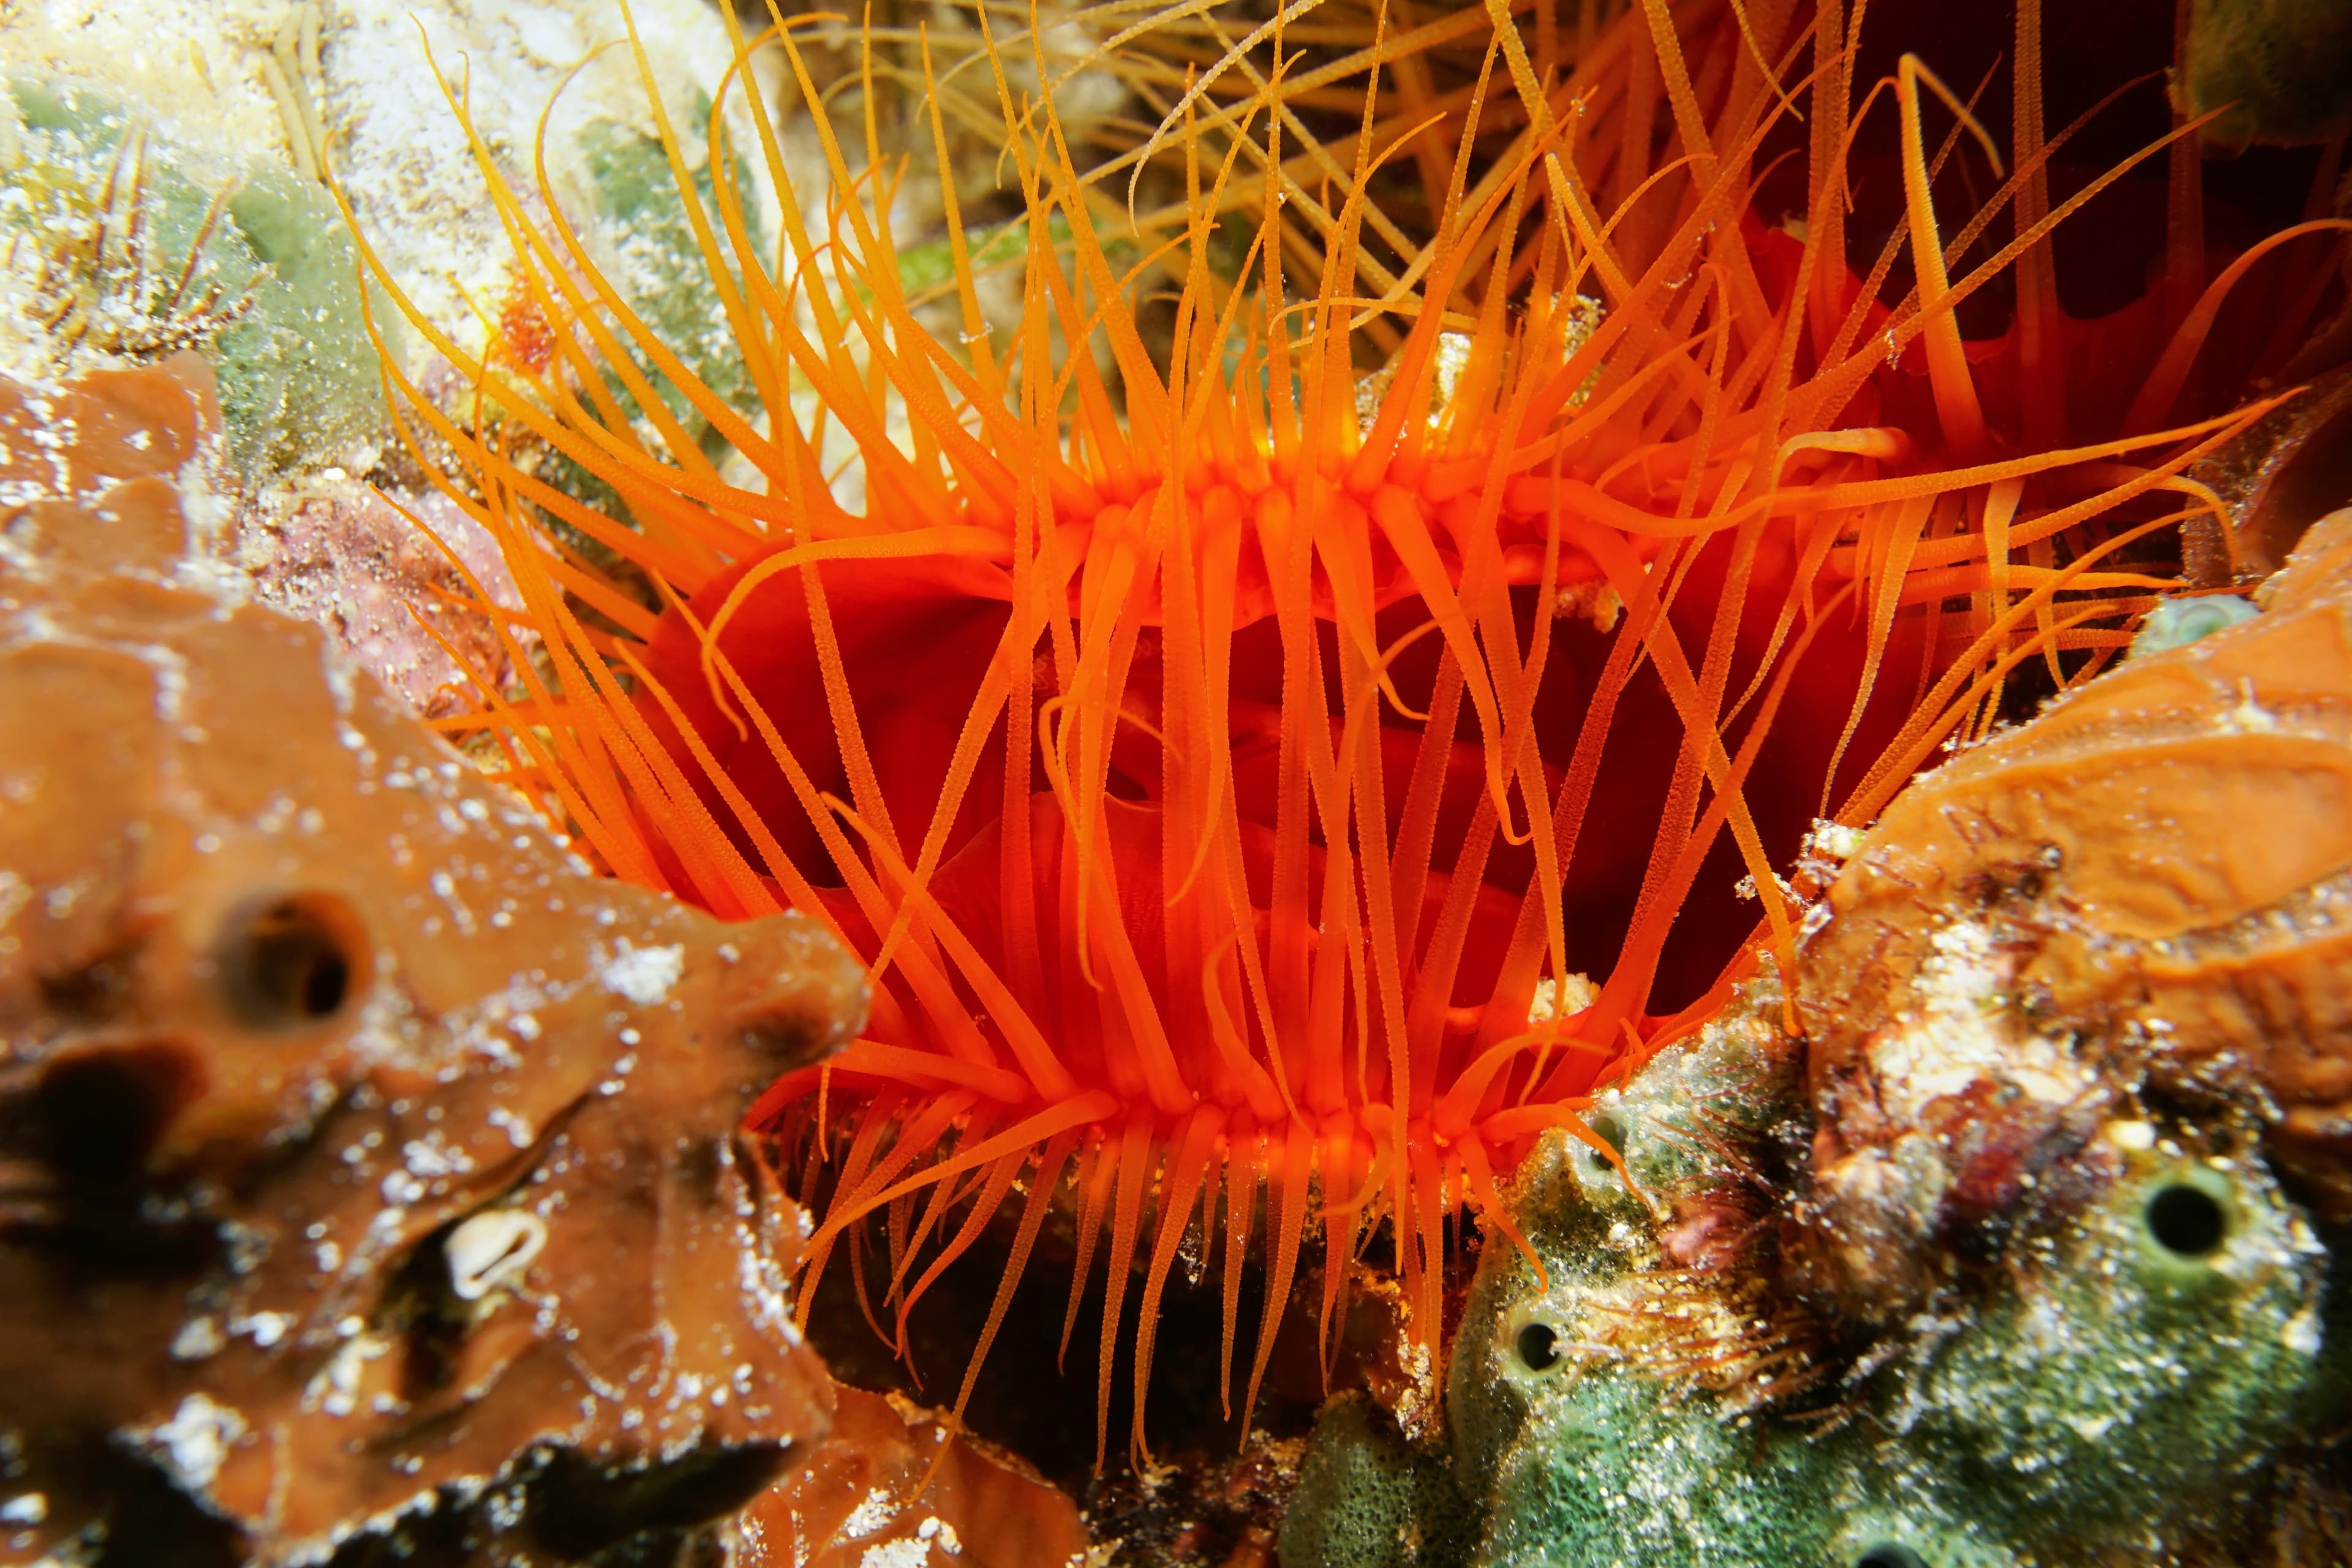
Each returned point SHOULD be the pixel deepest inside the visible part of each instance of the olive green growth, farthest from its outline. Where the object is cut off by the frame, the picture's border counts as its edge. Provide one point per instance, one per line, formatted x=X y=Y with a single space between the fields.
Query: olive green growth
x=144 y=248
x=299 y=379
x=2280 y=71
x=929 y=267
x=662 y=273
x=1366 y=1499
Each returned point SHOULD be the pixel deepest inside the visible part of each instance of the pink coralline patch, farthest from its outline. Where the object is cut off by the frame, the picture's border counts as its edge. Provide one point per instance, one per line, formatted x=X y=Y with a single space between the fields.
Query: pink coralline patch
x=349 y=559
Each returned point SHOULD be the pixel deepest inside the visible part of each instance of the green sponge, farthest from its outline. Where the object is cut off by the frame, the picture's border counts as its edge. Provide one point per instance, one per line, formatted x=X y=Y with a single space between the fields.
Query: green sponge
x=2111 y=1389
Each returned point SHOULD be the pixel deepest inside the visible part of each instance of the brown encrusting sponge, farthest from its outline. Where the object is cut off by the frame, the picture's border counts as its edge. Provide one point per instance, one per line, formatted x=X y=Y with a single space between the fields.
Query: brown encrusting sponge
x=893 y=1485
x=369 y=1175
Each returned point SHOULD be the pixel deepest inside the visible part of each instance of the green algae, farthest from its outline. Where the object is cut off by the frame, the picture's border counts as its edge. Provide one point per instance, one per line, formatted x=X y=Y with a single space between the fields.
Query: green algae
x=663 y=271
x=2277 y=71
x=1367 y=1499
x=298 y=374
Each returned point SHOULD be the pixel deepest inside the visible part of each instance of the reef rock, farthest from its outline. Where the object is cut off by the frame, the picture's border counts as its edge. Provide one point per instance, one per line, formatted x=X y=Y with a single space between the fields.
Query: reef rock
x=398 y=580
x=2146 y=888
x=369 y=1177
